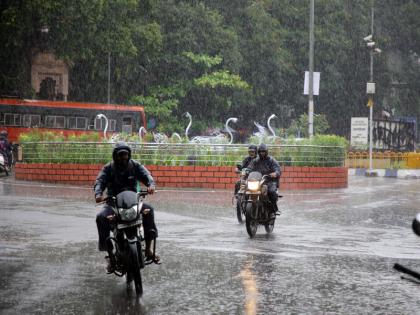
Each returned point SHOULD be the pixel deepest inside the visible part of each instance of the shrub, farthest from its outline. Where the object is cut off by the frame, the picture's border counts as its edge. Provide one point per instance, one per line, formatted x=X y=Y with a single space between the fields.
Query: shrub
x=322 y=150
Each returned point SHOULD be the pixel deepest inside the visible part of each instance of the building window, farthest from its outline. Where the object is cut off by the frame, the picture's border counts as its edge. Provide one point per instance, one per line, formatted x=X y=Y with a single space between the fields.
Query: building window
x=77 y=123
x=31 y=120
x=12 y=119
x=55 y=122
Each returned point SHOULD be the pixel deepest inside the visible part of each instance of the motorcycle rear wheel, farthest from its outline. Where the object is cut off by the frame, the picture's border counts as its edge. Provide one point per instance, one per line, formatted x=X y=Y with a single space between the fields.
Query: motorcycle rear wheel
x=133 y=271
x=269 y=226
x=251 y=224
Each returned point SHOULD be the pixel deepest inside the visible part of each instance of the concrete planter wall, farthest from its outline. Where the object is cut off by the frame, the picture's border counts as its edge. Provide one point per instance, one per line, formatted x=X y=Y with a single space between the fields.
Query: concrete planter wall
x=218 y=177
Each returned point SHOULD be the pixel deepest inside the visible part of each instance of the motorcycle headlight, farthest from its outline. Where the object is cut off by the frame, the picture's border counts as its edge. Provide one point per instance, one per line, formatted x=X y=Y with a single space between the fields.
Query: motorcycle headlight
x=129 y=214
x=253 y=185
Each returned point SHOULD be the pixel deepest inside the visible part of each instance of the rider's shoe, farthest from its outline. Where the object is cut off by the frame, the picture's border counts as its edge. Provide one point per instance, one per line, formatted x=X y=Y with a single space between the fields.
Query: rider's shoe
x=151 y=256
x=150 y=251
x=272 y=215
x=109 y=265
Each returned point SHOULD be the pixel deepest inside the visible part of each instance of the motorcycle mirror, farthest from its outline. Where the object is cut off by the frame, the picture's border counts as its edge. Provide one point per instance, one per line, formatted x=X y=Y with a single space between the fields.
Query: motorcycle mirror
x=416 y=224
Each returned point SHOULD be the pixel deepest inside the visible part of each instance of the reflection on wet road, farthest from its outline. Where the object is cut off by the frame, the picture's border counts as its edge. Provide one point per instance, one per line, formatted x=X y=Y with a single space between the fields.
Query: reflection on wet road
x=331 y=252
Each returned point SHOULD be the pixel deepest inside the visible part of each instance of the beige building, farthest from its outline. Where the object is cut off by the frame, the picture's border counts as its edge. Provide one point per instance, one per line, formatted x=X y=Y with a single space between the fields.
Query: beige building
x=49 y=77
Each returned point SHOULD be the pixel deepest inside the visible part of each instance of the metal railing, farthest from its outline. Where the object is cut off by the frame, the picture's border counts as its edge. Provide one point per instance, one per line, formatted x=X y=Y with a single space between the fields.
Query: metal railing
x=383 y=160
x=180 y=154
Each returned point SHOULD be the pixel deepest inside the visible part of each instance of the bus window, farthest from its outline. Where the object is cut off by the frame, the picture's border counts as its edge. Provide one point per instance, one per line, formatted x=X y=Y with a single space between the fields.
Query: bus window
x=98 y=124
x=81 y=122
x=55 y=121
x=112 y=124
x=12 y=119
x=32 y=120
x=127 y=126
x=77 y=123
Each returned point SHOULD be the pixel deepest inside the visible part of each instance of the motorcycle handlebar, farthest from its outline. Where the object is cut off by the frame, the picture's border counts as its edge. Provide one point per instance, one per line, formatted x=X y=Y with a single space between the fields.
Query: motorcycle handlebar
x=405 y=270
x=142 y=193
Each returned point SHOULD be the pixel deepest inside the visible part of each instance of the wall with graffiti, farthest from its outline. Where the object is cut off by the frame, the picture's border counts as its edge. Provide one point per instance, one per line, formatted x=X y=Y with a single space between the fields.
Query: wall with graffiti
x=396 y=134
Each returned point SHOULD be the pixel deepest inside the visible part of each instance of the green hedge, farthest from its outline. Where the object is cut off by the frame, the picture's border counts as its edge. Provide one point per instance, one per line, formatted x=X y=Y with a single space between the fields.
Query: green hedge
x=318 y=151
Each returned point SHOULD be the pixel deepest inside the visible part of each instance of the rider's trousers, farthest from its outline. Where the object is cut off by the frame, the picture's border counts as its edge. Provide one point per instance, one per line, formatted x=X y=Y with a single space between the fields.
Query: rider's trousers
x=104 y=226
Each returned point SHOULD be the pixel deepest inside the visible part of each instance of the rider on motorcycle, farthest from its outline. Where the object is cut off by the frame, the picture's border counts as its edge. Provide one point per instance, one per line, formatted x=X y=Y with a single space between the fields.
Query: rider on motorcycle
x=252 y=153
x=122 y=174
x=5 y=148
x=267 y=165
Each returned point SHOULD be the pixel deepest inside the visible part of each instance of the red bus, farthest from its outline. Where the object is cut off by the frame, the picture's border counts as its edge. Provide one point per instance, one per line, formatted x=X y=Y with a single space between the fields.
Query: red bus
x=20 y=115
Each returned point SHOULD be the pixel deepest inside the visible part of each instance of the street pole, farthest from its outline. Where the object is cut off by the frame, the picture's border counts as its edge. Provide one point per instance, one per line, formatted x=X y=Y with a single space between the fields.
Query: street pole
x=371 y=106
x=109 y=78
x=311 y=72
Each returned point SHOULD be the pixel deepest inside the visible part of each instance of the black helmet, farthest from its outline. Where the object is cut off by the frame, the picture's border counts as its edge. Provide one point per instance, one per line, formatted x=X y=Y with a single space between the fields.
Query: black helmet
x=252 y=147
x=262 y=147
x=3 y=133
x=121 y=146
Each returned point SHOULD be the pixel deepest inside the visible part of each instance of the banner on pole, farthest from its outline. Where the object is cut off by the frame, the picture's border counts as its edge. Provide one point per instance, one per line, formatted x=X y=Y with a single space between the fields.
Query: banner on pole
x=315 y=83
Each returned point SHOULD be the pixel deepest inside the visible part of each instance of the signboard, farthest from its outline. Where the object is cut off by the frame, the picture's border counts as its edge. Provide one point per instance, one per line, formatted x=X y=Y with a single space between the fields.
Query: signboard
x=370 y=88
x=359 y=131
x=315 y=83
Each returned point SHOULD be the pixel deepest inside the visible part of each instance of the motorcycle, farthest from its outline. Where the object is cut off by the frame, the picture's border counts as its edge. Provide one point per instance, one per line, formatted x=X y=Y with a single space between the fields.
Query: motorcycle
x=14 y=153
x=240 y=195
x=413 y=275
x=125 y=245
x=257 y=204
x=3 y=165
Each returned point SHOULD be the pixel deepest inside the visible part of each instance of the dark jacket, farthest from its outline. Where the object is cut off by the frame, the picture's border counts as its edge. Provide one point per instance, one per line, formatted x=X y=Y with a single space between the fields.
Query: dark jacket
x=266 y=166
x=246 y=162
x=116 y=181
x=5 y=145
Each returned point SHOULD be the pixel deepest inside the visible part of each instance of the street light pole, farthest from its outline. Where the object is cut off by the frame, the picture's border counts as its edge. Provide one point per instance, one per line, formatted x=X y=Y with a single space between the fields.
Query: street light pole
x=109 y=79
x=371 y=106
x=311 y=71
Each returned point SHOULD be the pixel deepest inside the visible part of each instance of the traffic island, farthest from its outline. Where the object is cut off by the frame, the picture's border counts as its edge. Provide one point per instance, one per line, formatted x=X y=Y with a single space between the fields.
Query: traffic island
x=214 y=177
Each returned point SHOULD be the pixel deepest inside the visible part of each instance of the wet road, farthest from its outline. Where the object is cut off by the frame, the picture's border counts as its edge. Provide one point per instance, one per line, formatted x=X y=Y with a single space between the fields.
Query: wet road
x=331 y=252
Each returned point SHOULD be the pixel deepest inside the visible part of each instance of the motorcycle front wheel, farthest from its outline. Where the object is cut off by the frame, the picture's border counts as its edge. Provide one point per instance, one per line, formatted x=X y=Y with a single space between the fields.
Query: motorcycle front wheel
x=239 y=212
x=133 y=272
x=251 y=224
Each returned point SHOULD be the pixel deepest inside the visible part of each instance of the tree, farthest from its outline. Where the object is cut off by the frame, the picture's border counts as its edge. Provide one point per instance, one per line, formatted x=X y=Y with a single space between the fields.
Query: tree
x=299 y=127
x=162 y=102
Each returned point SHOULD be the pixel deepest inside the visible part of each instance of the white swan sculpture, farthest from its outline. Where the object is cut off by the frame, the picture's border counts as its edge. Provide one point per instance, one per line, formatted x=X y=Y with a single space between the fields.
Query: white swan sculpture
x=261 y=133
x=219 y=138
x=189 y=124
x=142 y=132
x=228 y=129
x=160 y=138
x=177 y=136
x=273 y=137
x=100 y=116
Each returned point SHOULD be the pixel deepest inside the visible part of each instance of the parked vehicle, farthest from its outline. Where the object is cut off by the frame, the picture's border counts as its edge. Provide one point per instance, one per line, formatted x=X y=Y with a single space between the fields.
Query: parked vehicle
x=258 y=208
x=19 y=116
x=4 y=168
x=125 y=245
x=14 y=154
